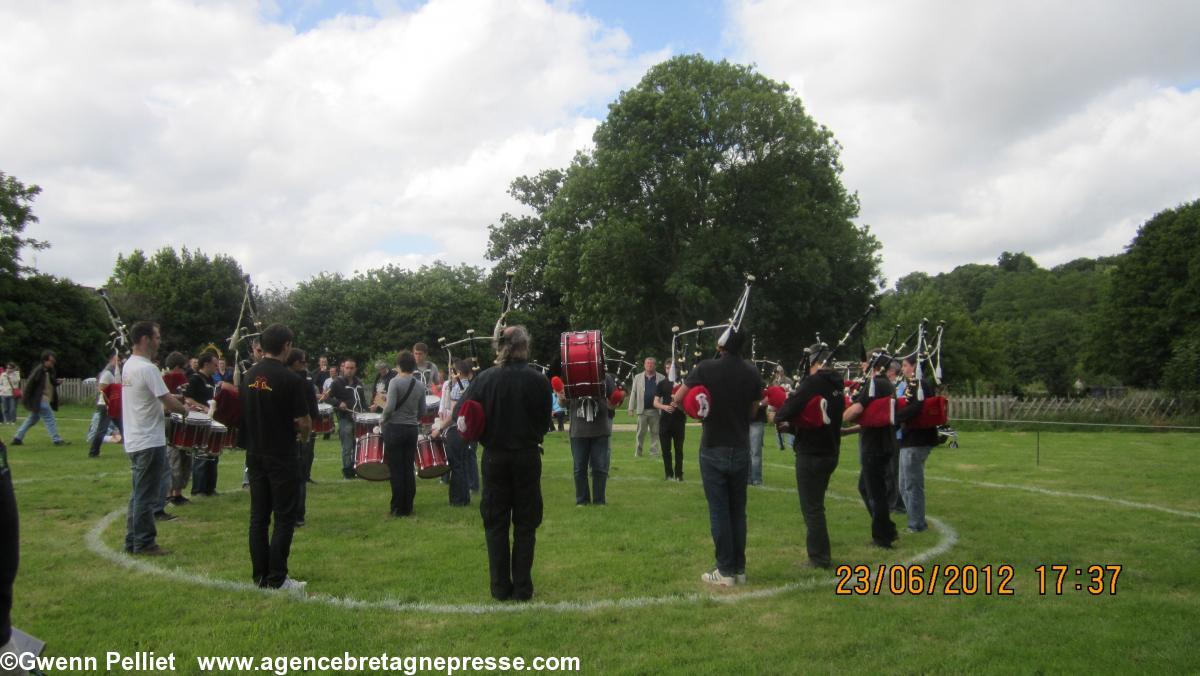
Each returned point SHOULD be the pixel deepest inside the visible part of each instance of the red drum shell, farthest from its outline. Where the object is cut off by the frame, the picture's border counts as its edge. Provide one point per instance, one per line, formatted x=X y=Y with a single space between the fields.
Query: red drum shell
x=324 y=420
x=369 y=462
x=365 y=423
x=175 y=430
x=216 y=438
x=582 y=355
x=431 y=458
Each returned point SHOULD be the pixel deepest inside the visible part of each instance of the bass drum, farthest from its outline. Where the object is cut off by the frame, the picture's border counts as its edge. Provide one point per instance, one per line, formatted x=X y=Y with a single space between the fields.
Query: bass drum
x=582 y=355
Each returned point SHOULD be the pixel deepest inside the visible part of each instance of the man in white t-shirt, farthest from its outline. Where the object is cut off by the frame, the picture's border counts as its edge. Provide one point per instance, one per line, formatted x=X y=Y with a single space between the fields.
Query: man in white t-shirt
x=100 y=419
x=144 y=396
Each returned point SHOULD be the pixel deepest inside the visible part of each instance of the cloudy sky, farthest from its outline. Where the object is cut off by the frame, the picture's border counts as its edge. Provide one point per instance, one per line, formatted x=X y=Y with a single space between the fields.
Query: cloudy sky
x=321 y=135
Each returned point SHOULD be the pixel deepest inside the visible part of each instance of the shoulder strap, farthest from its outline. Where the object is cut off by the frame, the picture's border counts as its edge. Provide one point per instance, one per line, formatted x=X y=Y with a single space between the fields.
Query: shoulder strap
x=411 y=384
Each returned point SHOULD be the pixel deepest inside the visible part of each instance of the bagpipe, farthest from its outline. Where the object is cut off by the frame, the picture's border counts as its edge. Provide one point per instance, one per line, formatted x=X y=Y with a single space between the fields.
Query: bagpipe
x=472 y=421
x=815 y=413
x=698 y=401
x=119 y=347
x=934 y=408
x=228 y=409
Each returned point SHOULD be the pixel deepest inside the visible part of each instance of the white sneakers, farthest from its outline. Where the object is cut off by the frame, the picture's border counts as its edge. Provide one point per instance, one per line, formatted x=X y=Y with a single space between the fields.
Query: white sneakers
x=714 y=576
x=740 y=577
x=294 y=586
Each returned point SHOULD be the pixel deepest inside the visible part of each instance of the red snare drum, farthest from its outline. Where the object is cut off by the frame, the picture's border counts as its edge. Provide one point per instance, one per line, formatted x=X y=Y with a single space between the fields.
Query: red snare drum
x=231 y=433
x=216 y=441
x=324 y=421
x=431 y=458
x=369 y=462
x=365 y=423
x=432 y=403
x=582 y=355
x=190 y=432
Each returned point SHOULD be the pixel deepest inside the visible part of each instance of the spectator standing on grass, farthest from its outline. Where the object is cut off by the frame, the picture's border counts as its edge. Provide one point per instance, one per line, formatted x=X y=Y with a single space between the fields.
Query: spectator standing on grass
x=144 y=397
x=671 y=427
x=515 y=400
x=275 y=417
x=40 y=398
x=641 y=404
x=10 y=387
x=817 y=449
x=735 y=388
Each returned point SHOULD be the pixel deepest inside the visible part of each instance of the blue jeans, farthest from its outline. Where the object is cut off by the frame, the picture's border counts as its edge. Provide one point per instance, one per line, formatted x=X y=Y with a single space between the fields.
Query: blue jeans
x=44 y=412
x=8 y=409
x=147 y=468
x=756 y=446
x=912 y=483
x=724 y=471
x=346 y=436
x=594 y=452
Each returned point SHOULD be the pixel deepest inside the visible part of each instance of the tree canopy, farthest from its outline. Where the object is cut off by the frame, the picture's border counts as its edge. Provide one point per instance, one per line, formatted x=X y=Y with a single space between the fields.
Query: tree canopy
x=700 y=174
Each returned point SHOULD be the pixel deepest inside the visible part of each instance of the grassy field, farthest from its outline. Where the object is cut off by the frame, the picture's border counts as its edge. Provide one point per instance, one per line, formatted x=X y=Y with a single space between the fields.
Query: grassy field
x=618 y=586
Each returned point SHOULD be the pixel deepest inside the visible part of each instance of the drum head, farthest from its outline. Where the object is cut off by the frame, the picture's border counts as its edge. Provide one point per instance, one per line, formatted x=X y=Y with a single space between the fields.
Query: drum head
x=373 y=471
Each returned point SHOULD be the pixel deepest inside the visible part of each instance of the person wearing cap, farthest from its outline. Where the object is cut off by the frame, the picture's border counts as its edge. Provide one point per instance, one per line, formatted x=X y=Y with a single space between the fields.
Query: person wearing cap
x=875 y=447
x=735 y=391
x=817 y=446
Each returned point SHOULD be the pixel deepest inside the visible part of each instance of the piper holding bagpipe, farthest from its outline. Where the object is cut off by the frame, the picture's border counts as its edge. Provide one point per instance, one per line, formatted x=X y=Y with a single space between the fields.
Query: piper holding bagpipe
x=919 y=418
x=730 y=388
x=874 y=407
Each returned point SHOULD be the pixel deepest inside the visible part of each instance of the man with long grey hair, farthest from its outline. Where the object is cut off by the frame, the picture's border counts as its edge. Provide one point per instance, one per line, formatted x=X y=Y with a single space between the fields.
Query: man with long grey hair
x=516 y=403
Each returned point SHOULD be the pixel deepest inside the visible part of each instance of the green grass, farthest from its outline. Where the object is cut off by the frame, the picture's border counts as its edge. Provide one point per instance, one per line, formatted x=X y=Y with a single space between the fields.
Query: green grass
x=651 y=541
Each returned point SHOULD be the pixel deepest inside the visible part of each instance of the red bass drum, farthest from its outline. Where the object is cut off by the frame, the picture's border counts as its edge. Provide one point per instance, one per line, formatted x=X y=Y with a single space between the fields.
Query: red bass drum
x=582 y=355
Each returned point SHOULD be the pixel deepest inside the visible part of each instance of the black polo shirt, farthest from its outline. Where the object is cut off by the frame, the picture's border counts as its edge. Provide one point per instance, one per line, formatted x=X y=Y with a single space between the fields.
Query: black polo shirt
x=734 y=384
x=516 y=402
x=272 y=398
x=879 y=440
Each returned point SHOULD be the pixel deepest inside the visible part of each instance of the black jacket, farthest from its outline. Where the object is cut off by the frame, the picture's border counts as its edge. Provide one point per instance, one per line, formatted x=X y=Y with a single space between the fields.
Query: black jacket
x=826 y=440
x=31 y=395
x=516 y=404
x=910 y=408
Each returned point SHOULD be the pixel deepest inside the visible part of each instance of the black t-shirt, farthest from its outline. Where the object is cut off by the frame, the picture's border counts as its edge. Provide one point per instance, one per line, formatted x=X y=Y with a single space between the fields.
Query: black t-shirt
x=516 y=404
x=272 y=398
x=664 y=390
x=826 y=440
x=310 y=394
x=349 y=393
x=200 y=388
x=876 y=439
x=734 y=384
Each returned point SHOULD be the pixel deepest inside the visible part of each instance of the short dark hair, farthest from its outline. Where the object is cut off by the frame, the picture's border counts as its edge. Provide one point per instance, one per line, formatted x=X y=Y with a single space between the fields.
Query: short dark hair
x=175 y=360
x=406 y=361
x=463 y=366
x=48 y=354
x=142 y=329
x=204 y=359
x=274 y=338
x=295 y=357
x=420 y=347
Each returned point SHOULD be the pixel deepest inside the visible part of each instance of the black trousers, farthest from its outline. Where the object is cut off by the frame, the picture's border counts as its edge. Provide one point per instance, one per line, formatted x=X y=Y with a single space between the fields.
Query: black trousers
x=812 y=480
x=274 y=491
x=399 y=451
x=306 y=451
x=872 y=485
x=9 y=547
x=101 y=429
x=512 y=494
x=895 y=499
x=668 y=434
x=459 y=457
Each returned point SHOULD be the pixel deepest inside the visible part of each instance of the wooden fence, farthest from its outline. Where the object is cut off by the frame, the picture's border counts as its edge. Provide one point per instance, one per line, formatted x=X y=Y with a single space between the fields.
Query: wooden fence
x=76 y=391
x=1005 y=407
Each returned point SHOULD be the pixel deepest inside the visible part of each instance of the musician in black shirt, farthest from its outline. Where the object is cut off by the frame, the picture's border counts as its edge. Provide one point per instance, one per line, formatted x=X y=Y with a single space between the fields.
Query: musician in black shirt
x=201 y=389
x=348 y=397
x=297 y=360
x=817 y=449
x=275 y=417
x=735 y=388
x=876 y=445
x=516 y=404
x=671 y=426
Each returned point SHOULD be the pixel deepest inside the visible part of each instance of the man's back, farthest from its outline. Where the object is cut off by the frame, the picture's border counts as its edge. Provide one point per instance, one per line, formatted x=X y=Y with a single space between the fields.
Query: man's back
x=516 y=405
x=733 y=384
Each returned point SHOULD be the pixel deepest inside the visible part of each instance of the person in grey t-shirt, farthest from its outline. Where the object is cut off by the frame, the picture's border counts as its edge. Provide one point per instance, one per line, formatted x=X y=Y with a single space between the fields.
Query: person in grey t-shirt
x=404 y=408
x=591 y=432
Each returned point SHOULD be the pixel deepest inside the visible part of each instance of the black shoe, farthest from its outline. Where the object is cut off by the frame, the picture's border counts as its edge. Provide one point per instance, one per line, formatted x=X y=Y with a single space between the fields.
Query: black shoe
x=180 y=500
x=164 y=516
x=62 y=442
x=299 y=523
x=16 y=442
x=94 y=455
x=312 y=482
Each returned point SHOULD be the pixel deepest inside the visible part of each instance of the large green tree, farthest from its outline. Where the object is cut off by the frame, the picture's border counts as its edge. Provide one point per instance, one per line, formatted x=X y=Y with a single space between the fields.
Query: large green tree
x=701 y=173
x=194 y=298
x=39 y=312
x=1155 y=298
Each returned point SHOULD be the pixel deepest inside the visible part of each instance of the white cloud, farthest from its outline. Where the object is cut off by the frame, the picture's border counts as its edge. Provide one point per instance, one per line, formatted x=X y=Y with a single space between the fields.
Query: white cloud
x=973 y=128
x=201 y=124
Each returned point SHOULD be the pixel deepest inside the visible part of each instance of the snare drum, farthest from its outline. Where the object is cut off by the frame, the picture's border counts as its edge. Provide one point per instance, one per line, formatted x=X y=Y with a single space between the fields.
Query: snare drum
x=175 y=430
x=231 y=436
x=369 y=462
x=196 y=429
x=324 y=421
x=432 y=403
x=365 y=423
x=582 y=355
x=431 y=458
x=216 y=441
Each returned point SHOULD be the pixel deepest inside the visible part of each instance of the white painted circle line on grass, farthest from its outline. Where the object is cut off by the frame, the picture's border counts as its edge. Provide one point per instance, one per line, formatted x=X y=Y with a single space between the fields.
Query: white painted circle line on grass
x=95 y=543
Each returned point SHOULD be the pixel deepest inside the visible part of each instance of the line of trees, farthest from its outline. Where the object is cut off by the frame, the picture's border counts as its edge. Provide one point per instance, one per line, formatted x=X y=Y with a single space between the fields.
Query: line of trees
x=701 y=173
